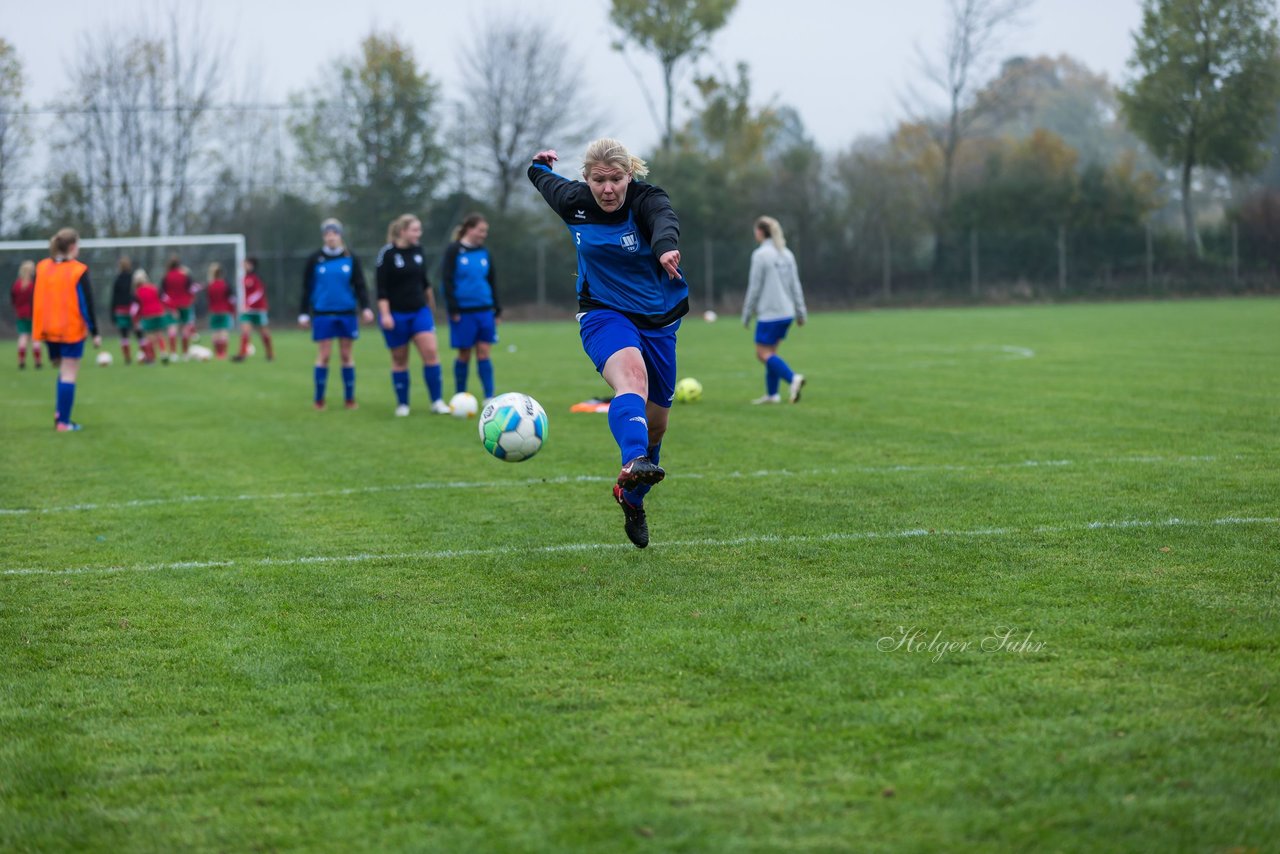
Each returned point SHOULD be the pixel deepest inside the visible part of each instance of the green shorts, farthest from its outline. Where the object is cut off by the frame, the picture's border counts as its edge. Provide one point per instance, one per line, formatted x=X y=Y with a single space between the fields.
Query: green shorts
x=220 y=320
x=254 y=318
x=123 y=322
x=184 y=315
x=155 y=324
x=24 y=326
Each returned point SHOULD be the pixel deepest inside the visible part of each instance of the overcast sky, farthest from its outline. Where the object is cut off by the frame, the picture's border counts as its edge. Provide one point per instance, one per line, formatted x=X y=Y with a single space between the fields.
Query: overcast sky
x=843 y=64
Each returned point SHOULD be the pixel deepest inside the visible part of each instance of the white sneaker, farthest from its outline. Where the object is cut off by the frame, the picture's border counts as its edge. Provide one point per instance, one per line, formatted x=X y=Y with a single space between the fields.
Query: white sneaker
x=797 y=383
x=439 y=407
x=402 y=410
x=768 y=398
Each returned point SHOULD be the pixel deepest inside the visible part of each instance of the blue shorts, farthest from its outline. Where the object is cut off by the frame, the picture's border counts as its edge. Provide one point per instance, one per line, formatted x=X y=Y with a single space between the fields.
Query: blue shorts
x=326 y=326
x=473 y=326
x=408 y=324
x=770 y=332
x=65 y=351
x=605 y=332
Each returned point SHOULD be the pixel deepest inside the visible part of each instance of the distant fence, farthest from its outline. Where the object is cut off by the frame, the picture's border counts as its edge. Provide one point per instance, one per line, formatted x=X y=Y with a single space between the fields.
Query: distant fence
x=537 y=278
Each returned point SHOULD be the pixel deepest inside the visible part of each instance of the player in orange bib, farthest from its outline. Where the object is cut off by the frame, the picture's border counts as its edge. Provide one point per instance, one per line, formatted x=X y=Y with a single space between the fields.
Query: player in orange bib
x=62 y=316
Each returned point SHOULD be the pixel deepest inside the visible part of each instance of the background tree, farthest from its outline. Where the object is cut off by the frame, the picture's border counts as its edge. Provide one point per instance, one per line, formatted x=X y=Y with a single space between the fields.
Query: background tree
x=975 y=30
x=368 y=132
x=521 y=93
x=714 y=172
x=135 y=129
x=1206 y=87
x=676 y=32
x=15 y=134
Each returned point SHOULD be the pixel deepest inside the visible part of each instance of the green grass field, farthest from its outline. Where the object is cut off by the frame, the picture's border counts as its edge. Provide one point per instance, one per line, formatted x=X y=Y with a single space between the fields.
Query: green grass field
x=1005 y=579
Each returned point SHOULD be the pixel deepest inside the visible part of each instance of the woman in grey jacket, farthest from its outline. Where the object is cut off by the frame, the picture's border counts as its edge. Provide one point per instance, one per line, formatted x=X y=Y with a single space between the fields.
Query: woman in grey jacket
x=775 y=297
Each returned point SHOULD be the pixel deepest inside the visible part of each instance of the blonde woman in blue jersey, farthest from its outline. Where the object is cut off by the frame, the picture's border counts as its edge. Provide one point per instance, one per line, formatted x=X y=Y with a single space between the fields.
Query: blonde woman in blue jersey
x=631 y=296
x=775 y=297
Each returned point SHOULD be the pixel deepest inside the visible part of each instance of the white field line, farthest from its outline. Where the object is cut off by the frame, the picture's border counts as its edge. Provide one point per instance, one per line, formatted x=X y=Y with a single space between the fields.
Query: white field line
x=776 y=539
x=536 y=481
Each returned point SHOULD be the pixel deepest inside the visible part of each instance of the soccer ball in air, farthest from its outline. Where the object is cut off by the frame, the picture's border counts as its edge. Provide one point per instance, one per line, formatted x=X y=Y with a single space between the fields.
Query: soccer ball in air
x=710 y=316
x=104 y=359
x=513 y=427
x=688 y=390
x=464 y=405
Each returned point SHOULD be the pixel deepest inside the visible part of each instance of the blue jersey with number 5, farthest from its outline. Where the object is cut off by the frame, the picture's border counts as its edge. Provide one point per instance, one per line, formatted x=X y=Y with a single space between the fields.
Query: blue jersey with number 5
x=618 y=251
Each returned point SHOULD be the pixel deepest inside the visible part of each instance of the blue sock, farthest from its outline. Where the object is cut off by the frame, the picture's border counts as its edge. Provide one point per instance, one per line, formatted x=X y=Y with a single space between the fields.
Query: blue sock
x=635 y=497
x=349 y=382
x=459 y=375
x=780 y=368
x=66 y=399
x=484 y=367
x=400 y=382
x=322 y=378
x=628 y=425
x=770 y=379
x=435 y=384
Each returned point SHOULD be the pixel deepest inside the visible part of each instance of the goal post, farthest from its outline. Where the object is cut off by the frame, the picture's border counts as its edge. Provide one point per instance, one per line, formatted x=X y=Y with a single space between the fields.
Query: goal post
x=236 y=241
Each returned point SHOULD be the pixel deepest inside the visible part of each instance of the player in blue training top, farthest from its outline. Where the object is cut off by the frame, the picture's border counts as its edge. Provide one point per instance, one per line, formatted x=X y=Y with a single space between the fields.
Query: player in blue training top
x=472 y=301
x=631 y=296
x=406 y=307
x=333 y=289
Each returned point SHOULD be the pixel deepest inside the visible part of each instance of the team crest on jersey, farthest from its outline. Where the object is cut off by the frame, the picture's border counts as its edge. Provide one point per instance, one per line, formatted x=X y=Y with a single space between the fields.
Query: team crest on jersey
x=630 y=242
x=417 y=259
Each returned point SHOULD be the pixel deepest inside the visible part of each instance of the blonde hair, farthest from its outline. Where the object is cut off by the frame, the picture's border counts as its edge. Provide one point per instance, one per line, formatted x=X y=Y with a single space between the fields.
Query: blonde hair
x=469 y=222
x=770 y=228
x=610 y=152
x=398 y=225
x=140 y=277
x=27 y=271
x=214 y=272
x=60 y=244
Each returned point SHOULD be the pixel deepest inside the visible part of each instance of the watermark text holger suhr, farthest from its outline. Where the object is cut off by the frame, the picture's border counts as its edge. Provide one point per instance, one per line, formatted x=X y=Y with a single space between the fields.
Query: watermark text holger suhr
x=1004 y=639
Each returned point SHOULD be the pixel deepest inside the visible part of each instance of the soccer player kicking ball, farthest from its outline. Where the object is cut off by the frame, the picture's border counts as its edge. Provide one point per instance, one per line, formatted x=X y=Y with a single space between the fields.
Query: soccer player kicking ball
x=631 y=296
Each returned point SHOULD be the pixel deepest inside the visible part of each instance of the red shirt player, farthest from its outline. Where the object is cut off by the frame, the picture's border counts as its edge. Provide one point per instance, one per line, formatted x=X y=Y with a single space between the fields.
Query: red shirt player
x=179 y=294
x=222 y=306
x=21 y=295
x=254 y=312
x=151 y=313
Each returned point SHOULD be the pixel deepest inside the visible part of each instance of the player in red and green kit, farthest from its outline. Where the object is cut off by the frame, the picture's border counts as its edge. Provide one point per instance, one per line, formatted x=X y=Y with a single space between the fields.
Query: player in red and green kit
x=21 y=295
x=254 y=312
x=222 y=308
x=152 y=317
x=179 y=293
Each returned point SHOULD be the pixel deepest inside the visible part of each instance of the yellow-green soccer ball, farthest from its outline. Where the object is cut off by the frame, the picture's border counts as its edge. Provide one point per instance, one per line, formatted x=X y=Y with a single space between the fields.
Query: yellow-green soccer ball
x=688 y=390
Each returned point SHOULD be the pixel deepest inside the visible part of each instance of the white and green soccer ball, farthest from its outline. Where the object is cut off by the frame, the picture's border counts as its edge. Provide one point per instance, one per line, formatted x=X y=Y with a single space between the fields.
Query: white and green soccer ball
x=688 y=390
x=513 y=427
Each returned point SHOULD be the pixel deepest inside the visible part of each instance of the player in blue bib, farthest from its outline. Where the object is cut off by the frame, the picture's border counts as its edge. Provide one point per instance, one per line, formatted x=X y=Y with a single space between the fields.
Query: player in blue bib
x=472 y=301
x=631 y=296
x=333 y=291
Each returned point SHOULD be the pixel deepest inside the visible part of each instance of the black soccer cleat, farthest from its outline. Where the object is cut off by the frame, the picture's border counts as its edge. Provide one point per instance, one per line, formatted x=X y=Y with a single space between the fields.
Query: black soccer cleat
x=636 y=526
x=638 y=471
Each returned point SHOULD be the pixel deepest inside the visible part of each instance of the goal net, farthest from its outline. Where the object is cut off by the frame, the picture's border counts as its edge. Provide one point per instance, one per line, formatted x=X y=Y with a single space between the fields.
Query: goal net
x=103 y=254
